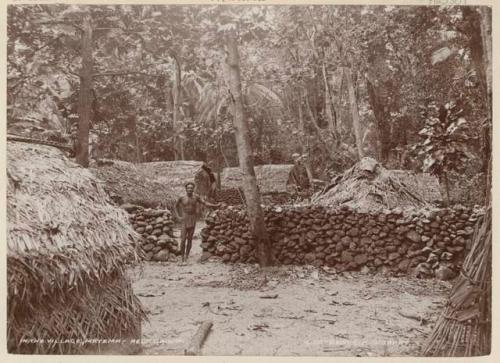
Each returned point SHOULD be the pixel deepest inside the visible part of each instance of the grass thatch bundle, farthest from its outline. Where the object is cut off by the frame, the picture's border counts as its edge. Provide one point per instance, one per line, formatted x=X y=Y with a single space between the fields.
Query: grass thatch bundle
x=176 y=174
x=67 y=248
x=464 y=327
x=368 y=186
x=127 y=183
x=272 y=178
x=153 y=184
x=424 y=184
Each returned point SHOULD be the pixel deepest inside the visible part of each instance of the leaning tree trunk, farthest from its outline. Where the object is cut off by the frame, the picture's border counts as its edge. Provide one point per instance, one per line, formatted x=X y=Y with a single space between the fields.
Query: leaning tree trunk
x=250 y=189
x=85 y=96
x=354 y=111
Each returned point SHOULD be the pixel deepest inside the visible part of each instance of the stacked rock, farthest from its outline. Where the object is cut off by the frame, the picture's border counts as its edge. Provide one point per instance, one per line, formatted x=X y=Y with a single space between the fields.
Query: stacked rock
x=156 y=228
x=234 y=196
x=424 y=242
x=230 y=196
x=276 y=198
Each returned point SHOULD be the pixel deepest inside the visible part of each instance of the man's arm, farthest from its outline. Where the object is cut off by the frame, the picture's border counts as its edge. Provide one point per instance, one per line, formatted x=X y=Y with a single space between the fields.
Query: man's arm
x=208 y=204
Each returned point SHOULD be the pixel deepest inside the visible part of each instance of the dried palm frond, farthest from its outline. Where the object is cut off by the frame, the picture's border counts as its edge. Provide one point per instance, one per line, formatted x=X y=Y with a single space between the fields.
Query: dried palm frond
x=272 y=178
x=464 y=327
x=70 y=323
x=128 y=182
x=368 y=186
x=66 y=247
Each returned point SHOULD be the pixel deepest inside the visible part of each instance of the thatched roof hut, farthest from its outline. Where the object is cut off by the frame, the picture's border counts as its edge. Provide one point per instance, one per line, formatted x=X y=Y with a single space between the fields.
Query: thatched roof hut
x=67 y=250
x=176 y=174
x=272 y=178
x=153 y=184
x=127 y=183
x=424 y=184
x=368 y=186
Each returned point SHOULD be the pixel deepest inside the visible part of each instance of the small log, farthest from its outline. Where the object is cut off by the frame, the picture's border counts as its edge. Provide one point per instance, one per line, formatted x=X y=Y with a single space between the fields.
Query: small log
x=198 y=339
x=420 y=319
x=269 y=296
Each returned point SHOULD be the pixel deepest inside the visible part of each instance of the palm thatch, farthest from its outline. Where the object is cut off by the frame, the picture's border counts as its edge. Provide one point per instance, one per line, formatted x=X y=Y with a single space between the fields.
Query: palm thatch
x=152 y=184
x=464 y=327
x=424 y=184
x=127 y=183
x=273 y=178
x=368 y=186
x=176 y=174
x=67 y=249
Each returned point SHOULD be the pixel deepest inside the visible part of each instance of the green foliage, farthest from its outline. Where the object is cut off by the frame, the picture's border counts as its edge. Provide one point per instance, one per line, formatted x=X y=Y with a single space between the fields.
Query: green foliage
x=292 y=61
x=444 y=139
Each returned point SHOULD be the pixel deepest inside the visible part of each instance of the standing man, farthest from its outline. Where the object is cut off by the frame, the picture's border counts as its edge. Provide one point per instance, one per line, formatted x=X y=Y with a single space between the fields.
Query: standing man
x=186 y=205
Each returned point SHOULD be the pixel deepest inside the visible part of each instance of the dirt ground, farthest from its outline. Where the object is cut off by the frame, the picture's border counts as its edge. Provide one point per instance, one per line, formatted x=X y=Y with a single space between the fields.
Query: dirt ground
x=284 y=311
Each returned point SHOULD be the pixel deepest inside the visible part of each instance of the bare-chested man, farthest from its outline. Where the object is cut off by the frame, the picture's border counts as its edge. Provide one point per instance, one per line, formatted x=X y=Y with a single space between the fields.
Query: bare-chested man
x=186 y=205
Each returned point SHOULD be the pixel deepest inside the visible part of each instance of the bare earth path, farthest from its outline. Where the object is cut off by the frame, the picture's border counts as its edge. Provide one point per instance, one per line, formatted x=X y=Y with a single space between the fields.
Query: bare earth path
x=288 y=310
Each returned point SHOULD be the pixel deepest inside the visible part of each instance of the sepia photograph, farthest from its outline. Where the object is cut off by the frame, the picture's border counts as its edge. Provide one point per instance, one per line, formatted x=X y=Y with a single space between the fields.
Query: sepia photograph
x=249 y=179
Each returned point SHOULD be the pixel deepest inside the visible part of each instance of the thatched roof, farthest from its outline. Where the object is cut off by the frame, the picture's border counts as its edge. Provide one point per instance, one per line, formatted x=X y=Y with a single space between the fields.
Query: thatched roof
x=368 y=186
x=271 y=178
x=129 y=183
x=151 y=184
x=67 y=248
x=423 y=183
x=175 y=174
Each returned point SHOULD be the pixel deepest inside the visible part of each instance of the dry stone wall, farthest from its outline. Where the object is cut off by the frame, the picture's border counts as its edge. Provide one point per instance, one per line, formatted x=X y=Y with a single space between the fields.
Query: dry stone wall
x=230 y=196
x=156 y=228
x=235 y=197
x=421 y=242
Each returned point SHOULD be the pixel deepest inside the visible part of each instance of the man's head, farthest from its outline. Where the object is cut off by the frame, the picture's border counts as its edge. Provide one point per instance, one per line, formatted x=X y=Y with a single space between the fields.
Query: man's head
x=189 y=188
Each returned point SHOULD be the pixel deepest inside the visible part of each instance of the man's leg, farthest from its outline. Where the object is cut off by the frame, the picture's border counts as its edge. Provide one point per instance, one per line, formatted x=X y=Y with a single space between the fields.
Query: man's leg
x=183 y=242
x=189 y=232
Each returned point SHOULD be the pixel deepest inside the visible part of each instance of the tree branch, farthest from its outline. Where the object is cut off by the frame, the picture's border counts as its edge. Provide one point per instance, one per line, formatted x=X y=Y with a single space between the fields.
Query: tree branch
x=48 y=43
x=54 y=22
x=69 y=71
x=125 y=73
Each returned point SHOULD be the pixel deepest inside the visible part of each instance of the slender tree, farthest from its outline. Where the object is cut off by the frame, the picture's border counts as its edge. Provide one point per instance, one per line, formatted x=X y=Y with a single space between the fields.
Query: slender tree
x=245 y=155
x=85 y=96
x=178 y=142
x=353 y=103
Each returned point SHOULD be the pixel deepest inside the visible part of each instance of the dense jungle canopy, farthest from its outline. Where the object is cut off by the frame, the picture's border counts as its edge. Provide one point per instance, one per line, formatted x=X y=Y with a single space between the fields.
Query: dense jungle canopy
x=407 y=85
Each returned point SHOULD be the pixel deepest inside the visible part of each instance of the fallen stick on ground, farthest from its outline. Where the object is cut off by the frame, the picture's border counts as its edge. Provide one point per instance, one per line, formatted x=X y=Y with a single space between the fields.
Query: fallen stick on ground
x=420 y=319
x=198 y=339
x=269 y=296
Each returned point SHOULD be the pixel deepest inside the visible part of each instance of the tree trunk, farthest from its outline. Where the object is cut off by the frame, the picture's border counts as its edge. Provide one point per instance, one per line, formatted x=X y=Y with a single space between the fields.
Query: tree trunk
x=178 y=143
x=328 y=105
x=199 y=338
x=446 y=189
x=250 y=188
x=85 y=96
x=326 y=147
x=135 y=136
x=354 y=111
x=479 y=32
x=381 y=116
x=302 y=127
x=486 y=40
x=338 y=102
